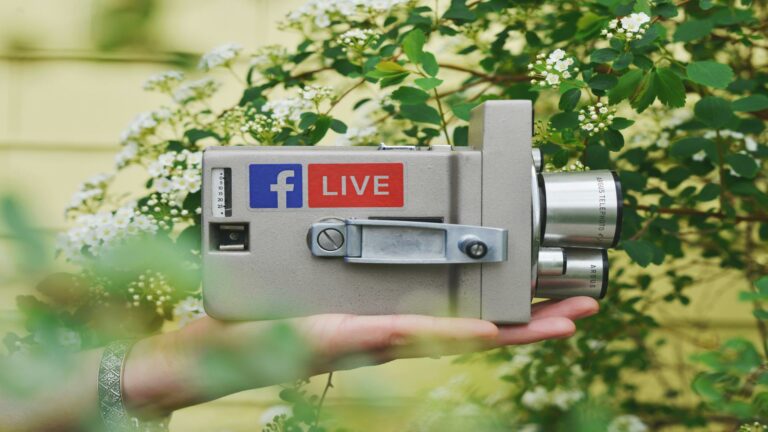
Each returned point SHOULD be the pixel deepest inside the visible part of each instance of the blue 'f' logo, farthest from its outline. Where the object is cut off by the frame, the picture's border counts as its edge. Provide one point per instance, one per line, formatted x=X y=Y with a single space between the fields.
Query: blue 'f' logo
x=276 y=186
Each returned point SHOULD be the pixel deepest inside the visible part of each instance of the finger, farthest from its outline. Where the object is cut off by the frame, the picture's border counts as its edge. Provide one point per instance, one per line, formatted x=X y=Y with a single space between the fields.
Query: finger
x=539 y=329
x=573 y=308
x=343 y=334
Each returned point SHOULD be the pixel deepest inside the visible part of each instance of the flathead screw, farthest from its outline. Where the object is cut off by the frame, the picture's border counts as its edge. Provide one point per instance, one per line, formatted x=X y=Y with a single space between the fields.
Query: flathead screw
x=475 y=249
x=330 y=239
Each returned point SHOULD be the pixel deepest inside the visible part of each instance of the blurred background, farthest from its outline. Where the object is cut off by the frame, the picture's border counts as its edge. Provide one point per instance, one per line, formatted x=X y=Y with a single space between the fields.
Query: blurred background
x=71 y=73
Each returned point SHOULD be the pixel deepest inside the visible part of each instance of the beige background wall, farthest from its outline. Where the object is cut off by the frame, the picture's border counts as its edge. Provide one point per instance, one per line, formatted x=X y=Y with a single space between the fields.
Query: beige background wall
x=62 y=108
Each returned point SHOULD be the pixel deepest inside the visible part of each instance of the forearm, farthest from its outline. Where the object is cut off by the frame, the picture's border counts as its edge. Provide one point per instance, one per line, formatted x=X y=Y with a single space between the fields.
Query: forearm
x=51 y=394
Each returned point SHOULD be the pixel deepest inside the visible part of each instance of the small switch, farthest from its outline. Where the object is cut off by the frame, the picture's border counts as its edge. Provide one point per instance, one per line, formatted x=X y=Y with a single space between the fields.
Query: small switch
x=230 y=237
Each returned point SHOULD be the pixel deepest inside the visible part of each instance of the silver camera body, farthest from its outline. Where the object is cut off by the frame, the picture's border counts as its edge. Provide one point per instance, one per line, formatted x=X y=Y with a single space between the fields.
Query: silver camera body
x=475 y=232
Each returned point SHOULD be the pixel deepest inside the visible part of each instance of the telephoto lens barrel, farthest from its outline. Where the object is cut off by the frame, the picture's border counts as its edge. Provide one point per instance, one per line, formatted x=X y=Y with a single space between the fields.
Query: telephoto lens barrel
x=586 y=274
x=580 y=209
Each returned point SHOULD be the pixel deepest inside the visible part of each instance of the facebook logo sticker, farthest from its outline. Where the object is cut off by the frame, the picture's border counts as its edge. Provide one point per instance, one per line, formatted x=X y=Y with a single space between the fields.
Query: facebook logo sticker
x=276 y=186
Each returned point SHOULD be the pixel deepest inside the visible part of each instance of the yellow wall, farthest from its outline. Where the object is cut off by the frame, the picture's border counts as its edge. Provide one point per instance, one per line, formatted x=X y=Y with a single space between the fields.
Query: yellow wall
x=63 y=105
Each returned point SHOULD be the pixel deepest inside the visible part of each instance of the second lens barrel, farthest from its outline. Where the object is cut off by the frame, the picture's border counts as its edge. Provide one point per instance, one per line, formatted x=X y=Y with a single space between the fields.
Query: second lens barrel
x=580 y=209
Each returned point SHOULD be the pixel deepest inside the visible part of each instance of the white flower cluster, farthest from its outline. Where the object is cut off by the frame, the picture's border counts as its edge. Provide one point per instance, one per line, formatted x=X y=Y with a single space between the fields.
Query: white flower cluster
x=539 y=398
x=90 y=194
x=548 y=71
x=750 y=144
x=630 y=27
x=94 y=233
x=316 y=94
x=144 y=125
x=574 y=167
x=287 y=110
x=221 y=56
x=269 y=57
x=151 y=289
x=166 y=209
x=196 y=90
x=321 y=13
x=164 y=82
x=358 y=39
x=361 y=137
x=596 y=118
x=627 y=423
x=188 y=310
x=263 y=128
x=177 y=174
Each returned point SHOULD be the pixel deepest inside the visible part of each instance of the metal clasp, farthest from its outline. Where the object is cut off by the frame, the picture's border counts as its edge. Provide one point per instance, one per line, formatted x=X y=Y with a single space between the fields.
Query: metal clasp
x=372 y=241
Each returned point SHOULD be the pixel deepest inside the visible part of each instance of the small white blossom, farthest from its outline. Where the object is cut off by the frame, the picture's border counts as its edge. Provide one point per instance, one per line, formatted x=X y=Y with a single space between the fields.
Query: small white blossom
x=321 y=13
x=164 y=82
x=188 y=310
x=221 y=56
x=287 y=110
x=358 y=39
x=596 y=118
x=196 y=90
x=627 y=423
x=316 y=93
x=549 y=71
x=633 y=26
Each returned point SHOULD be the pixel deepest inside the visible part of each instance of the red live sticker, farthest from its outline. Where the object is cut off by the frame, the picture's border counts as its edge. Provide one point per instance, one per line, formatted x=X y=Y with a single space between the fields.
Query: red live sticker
x=355 y=185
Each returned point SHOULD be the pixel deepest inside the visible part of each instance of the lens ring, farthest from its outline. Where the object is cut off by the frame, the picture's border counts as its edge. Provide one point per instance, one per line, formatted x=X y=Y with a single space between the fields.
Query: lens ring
x=619 y=209
x=604 y=288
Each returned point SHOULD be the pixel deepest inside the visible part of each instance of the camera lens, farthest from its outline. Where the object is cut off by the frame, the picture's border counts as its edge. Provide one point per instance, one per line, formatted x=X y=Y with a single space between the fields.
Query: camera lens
x=552 y=261
x=586 y=274
x=580 y=209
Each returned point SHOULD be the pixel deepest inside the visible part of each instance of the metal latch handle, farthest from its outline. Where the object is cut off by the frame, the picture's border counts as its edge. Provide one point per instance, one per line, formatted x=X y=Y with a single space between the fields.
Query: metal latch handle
x=373 y=241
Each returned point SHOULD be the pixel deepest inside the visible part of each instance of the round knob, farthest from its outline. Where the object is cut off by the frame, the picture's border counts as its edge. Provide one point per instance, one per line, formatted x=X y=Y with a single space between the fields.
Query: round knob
x=474 y=248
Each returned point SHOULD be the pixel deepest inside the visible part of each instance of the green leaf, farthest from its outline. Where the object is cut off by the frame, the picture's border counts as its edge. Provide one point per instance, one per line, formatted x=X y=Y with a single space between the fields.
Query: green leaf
x=743 y=164
x=669 y=87
x=757 y=102
x=645 y=95
x=195 y=135
x=704 y=386
x=620 y=123
x=596 y=157
x=710 y=73
x=709 y=192
x=570 y=99
x=413 y=45
x=459 y=12
x=603 y=82
x=640 y=251
x=691 y=30
x=604 y=55
x=429 y=63
x=420 y=113
x=688 y=147
x=614 y=140
x=715 y=112
x=675 y=176
x=565 y=120
x=463 y=110
x=625 y=87
x=762 y=285
x=390 y=67
x=338 y=126
x=461 y=136
x=410 y=95
x=319 y=130
x=427 y=83
x=571 y=84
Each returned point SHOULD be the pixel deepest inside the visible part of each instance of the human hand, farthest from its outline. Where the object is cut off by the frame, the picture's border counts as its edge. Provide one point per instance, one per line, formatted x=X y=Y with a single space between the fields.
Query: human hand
x=209 y=358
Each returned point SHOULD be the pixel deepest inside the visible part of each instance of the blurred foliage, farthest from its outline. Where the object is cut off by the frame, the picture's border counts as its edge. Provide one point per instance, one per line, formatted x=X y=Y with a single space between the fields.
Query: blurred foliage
x=119 y=24
x=673 y=96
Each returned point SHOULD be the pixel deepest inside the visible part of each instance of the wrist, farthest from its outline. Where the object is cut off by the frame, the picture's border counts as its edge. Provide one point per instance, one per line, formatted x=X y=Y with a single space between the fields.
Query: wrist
x=153 y=386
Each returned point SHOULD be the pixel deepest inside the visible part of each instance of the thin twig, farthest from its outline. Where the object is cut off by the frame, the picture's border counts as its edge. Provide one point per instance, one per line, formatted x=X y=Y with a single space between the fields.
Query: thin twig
x=328 y=385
